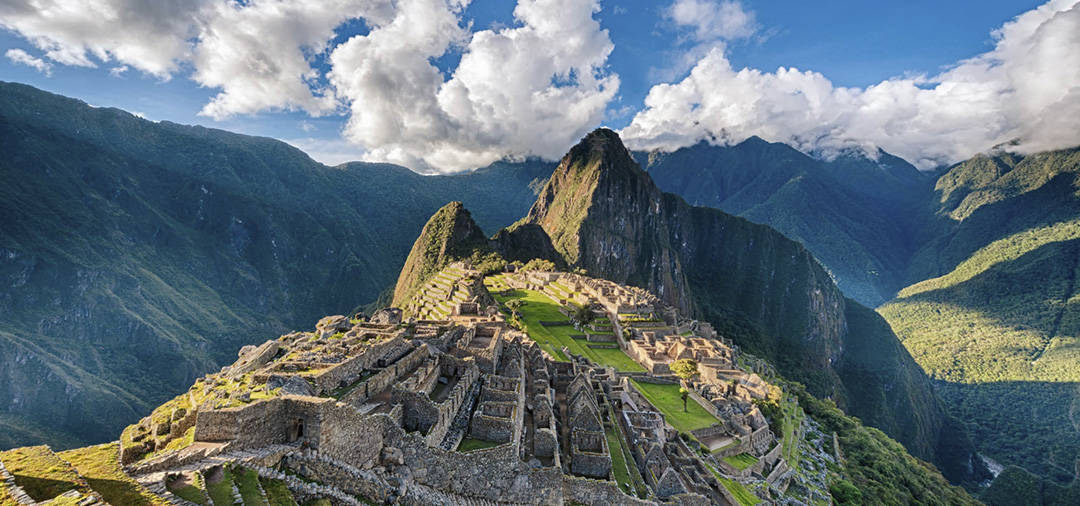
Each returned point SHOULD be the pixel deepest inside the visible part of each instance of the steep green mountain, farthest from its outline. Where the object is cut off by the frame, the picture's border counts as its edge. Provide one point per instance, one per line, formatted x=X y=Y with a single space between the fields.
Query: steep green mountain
x=995 y=312
x=450 y=234
x=1016 y=486
x=767 y=292
x=136 y=256
x=853 y=213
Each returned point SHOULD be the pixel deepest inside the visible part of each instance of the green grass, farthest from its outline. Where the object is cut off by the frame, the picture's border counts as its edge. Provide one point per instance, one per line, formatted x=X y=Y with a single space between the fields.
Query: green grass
x=622 y=462
x=40 y=473
x=618 y=462
x=100 y=467
x=277 y=493
x=790 y=424
x=741 y=461
x=539 y=307
x=248 y=484
x=667 y=399
x=471 y=444
x=221 y=490
x=738 y=490
x=194 y=493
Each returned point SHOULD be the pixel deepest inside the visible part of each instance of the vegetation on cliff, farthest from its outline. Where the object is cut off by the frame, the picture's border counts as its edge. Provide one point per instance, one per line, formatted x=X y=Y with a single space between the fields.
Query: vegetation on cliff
x=854 y=212
x=994 y=317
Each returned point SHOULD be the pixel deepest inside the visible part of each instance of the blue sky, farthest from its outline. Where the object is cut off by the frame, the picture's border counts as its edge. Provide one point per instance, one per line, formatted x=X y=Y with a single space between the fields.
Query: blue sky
x=851 y=43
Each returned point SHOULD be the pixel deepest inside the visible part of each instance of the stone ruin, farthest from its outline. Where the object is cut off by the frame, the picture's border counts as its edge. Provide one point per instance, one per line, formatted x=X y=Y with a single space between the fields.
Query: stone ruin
x=469 y=411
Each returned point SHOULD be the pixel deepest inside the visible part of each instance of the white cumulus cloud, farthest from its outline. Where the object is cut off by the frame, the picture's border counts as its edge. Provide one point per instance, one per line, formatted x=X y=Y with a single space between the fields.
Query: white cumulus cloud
x=1027 y=87
x=531 y=89
x=711 y=20
x=24 y=58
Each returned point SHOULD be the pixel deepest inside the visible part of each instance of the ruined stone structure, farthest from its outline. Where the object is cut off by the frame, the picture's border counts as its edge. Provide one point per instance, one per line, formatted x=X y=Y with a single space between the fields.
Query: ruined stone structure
x=445 y=403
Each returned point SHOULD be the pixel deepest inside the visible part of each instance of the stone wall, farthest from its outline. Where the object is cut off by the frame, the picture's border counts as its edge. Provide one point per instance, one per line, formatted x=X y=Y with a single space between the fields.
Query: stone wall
x=494 y=474
x=349 y=371
x=349 y=479
x=352 y=438
x=271 y=421
x=596 y=493
x=497 y=429
x=589 y=454
x=386 y=377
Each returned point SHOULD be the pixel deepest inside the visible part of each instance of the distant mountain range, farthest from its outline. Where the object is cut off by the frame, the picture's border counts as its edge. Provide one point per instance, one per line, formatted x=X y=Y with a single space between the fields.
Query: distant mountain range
x=136 y=256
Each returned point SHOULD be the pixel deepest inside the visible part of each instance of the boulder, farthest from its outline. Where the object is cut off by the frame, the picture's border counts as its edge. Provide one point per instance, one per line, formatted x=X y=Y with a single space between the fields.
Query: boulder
x=289 y=384
x=331 y=325
x=387 y=316
x=392 y=456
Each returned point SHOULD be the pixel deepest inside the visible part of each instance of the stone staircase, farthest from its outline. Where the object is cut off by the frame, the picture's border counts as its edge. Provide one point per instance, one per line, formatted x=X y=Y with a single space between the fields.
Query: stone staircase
x=313 y=489
x=154 y=481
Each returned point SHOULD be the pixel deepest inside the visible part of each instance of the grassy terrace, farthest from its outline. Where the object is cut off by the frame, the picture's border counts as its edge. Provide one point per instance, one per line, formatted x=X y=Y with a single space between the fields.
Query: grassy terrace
x=100 y=466
x=471 y=444
x=194 y=491
x=738 y=490
x=792 y=421
x=247 y=482
x=220 y=487
x=741 y=461
x=40 y=473
x=622 y=461
x=538 y=307
x=667 y=399
x=277 y=493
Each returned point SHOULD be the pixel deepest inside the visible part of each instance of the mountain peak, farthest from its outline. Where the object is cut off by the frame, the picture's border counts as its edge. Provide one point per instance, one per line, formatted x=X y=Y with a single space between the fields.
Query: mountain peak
x=448 y=235
x=594 y=175
x=602 y=150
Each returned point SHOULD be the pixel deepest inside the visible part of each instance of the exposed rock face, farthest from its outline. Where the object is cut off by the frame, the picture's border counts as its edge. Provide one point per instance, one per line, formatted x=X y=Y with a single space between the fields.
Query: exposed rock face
x=450 y=234
x=603 y=213
x=289 y=385
x=387 y=316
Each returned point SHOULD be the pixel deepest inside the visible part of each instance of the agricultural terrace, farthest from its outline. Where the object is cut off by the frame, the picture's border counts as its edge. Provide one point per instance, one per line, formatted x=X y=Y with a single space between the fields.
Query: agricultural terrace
x=538 y=308
x=668 y=400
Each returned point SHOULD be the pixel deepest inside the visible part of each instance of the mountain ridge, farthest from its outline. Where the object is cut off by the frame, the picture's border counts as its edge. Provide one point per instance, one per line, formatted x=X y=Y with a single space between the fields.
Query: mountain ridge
x=605 y=215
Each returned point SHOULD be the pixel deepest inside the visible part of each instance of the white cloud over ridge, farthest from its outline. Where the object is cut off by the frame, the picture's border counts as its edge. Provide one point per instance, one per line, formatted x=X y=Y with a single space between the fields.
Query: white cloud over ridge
x=530 y=89
x=533 y=89
x=23 y=58
x=1027 y=88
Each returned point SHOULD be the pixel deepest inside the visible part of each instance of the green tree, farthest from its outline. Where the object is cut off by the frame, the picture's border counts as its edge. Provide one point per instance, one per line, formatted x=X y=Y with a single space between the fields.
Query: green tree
x=685 y=369
x=539 y=264
x=584 y=315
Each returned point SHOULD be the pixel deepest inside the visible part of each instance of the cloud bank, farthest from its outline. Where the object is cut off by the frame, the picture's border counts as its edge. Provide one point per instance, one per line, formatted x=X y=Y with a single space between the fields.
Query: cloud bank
x=535 y=87
x=529 y=89
x=1026 y=89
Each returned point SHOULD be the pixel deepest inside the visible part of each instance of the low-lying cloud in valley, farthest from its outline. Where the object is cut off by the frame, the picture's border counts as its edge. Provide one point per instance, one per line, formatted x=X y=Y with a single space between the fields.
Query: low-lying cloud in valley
x=533 y=88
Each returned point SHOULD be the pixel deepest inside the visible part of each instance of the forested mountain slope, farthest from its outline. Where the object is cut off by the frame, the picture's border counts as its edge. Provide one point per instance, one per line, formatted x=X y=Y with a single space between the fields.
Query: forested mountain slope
x=136 y=256
x=994 y=310
x=854 y=213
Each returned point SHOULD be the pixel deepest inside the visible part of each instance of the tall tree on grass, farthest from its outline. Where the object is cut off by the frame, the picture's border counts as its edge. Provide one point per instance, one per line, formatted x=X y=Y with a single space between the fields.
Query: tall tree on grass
x=685 y=369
